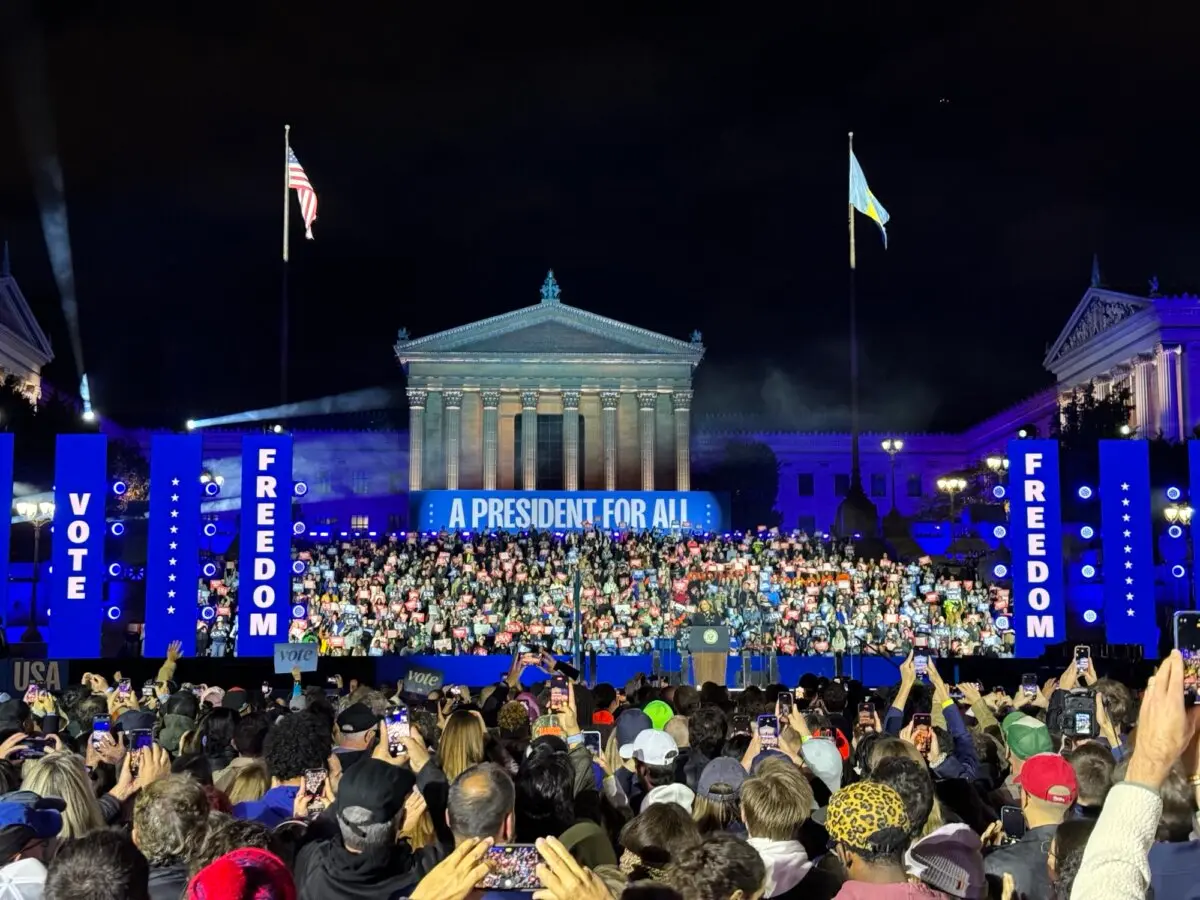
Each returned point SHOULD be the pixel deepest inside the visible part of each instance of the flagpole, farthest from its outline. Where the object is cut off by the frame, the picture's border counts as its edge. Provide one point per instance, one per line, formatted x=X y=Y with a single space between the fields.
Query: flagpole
x=855 y=470
x=283 y=311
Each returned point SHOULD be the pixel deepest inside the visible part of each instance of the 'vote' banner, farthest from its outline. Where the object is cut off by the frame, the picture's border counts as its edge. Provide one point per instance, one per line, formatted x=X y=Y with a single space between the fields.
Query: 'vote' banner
x=265 y=562
x=173 y=543
x=77 y=582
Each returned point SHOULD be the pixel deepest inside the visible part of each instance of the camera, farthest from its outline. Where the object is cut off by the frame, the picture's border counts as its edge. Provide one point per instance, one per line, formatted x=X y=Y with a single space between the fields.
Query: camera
x=1073 y=713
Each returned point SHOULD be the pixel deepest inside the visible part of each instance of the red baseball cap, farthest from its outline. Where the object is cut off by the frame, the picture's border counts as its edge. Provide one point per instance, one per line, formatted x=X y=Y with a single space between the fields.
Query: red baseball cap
x=1048 y=777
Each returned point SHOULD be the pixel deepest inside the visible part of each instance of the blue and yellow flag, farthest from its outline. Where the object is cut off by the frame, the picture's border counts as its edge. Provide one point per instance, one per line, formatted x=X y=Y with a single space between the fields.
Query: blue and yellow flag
x=863 y=200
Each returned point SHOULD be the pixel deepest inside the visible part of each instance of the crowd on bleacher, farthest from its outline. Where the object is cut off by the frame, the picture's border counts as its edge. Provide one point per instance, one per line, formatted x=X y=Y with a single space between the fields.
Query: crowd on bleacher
x=791 y=594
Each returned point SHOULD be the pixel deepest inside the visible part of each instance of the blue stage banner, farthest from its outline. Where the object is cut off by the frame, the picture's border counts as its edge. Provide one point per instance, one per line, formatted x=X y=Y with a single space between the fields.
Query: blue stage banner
x=1128 y=543
x=1035 y=531
x=173 y=542
x=265 y=562
x=6 y=498
x=566 y=510
x=77 y=582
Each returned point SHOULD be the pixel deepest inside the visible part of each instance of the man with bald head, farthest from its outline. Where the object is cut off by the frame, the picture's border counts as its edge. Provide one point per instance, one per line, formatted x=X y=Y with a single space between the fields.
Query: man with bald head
x=481 y=804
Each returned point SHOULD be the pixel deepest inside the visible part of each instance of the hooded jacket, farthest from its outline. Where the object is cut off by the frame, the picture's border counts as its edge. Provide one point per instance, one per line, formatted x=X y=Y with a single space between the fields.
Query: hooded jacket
x=326 y=870
x=173 y=728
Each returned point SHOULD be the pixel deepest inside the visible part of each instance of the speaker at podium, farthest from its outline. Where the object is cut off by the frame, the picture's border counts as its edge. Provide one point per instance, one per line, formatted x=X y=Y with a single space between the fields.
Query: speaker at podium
x=708 y=643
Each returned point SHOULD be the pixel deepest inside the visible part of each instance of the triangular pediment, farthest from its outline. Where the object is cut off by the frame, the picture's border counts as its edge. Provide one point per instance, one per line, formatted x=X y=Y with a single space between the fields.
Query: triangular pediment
x=548 y=329
x=1099 y=311
x=17 y=318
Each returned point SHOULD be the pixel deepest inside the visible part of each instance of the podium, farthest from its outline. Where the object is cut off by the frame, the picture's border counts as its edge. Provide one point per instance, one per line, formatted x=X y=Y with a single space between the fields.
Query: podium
x=709 y=647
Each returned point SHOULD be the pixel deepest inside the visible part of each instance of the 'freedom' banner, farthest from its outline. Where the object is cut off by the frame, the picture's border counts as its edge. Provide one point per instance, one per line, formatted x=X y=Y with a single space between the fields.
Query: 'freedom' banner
x=1035 y=528
x=173 y=542
x=1128 y=544
x=77 y=582
x=265 y=561
x=6 y=498
x=565 y=510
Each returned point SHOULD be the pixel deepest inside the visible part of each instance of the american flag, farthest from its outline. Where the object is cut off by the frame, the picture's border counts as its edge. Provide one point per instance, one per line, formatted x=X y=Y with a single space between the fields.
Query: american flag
x=304 y=192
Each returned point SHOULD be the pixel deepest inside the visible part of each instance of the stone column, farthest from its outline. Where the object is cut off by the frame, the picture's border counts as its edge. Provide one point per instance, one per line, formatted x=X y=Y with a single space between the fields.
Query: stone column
x=681 y=403
x=452 y=404
x=416 y=437
x=1143 y=392
x=529 y=401
x=608 y=407
x=647 y=406
x=1167 y=393
x=570 y=426
x=491 y=437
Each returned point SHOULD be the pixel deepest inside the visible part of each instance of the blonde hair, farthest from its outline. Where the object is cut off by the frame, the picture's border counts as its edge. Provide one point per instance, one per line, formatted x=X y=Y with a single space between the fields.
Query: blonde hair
x=890 y=749
x=712 y=816
x=461 y=745
x=776 y=803
x=250 y=783
x=61 y=774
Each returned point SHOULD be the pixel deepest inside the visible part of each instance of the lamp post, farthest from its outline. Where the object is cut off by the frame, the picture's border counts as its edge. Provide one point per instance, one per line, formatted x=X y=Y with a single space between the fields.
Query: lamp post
x=1183 y=515
x=37 y=515
x=998 y=466
x=892 y=446
x=951 y=486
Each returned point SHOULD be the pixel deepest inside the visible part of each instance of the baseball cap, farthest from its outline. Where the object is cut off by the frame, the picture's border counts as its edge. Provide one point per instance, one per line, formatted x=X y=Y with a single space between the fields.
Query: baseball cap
x=235 y=698
x=867 y=816
x=1025 y=735
x=356 y=718
x=654 y=748
x=1048 y=777
x=950 y=859
x=24 y=879
x=297 y=703
x=660 y=713
x=679 y=794
x=630 y=724
x=135 y=719
x=376 y=786
x=822 y=757
x=721 y=770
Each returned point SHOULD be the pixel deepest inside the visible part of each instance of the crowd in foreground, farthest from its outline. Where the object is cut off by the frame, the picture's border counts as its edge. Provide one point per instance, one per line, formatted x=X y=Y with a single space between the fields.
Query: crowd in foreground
x=561 y=791
x=791 y=594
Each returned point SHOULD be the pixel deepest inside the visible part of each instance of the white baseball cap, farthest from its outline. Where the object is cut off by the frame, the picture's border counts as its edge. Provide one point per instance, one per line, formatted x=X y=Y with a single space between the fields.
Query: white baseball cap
x=679 y=794
x=653 y=747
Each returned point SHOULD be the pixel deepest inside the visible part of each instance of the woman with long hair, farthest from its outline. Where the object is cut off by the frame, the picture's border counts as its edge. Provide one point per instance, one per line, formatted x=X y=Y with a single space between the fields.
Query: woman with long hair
x=461 y=745
x=213 y=737
x=62 y=774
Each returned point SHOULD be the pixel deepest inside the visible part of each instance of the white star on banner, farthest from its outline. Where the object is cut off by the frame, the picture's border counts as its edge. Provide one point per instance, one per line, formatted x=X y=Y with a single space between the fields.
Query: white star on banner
x=171 y=561
x=174 y=498
x=1129 y=596
x=171 y=594
x=174 y=529
x=174 y=514
x=171 y=577
x=1125 y=485
x=1126 y=533
x=174 y=482
x=170 y=610
x=173 y=545
x=1129 y=611
x=1128 y=549
x=1125 y=518
x=1128 y=564
x=1124 y=501
x=1129 y=580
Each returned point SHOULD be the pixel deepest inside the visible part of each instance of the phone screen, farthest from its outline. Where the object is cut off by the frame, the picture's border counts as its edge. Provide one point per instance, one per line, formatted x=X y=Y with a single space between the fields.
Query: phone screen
x=785 y=704
x=1029 y=685
x=397 y=728
x=124 y=687
x=922 y=733
x=1187 y=642
x=741 y=725
x=866 y=714
x=768 y=732
x=511 y=867
x=591 y=740
x=31 y=748
x=1083 y=655
x=1012 y=822
x=921 y=665
x=314 y=781
x=100 y=725
x=558 y=692
x=31 y=692
x=141 y=739
x=1083 y=723
x=148 y=689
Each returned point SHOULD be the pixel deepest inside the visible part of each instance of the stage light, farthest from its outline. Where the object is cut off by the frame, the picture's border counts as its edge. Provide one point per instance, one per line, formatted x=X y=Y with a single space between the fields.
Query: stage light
x=999 y=491
x=1000 y=532
x=1173 y=493
x=1175 y=531
x=278 y=429
x=1000 y=570
x=1089 y=616
x=190 y=424
x=1126 y=430
x=209 y=570
x=212 y=489
x=205 y=478
x=1022 y=433
x=298 y=567
x=1088 y=571
x=219 y=479
x=1087 y=532
x=299 y=612
x=89 y=415
x=113 y=613
x=300 y=488
x=1178 y=571
x=208 y=613
x=1084 y=492
x=114 y=570
x=298 y=528
x=119 y=487
x=209 y=529
x=117 y=529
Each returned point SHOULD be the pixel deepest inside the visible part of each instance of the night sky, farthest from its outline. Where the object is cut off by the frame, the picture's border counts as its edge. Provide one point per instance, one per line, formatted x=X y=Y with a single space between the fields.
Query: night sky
x=676 y=171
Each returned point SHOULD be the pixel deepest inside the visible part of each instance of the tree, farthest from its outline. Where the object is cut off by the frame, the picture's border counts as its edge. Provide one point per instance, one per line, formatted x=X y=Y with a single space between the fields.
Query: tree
x=35 y=424
x=127 y=463
x=1087 y=418
x=749 y=473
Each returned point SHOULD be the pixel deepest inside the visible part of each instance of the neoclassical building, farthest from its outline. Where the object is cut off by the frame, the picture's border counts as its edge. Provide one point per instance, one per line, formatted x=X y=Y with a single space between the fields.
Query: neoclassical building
x=549 y=397
x=1150 y=345
x=24 y=347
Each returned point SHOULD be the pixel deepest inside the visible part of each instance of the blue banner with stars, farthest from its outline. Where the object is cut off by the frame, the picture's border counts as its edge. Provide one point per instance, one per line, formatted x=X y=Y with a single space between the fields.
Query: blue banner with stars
x=1128 y=544
x=173 y=543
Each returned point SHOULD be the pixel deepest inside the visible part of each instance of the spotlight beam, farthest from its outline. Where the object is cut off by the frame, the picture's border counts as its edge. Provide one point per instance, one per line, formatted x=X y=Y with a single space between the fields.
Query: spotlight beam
x=355 y=401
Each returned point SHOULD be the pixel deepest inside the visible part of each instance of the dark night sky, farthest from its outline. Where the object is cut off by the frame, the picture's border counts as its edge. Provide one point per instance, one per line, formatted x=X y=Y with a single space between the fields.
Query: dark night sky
x=677 y=171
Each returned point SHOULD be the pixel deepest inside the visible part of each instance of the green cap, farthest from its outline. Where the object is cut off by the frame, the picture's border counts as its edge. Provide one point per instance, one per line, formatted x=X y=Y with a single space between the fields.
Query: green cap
x=1025 y=735
x=659 y=712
